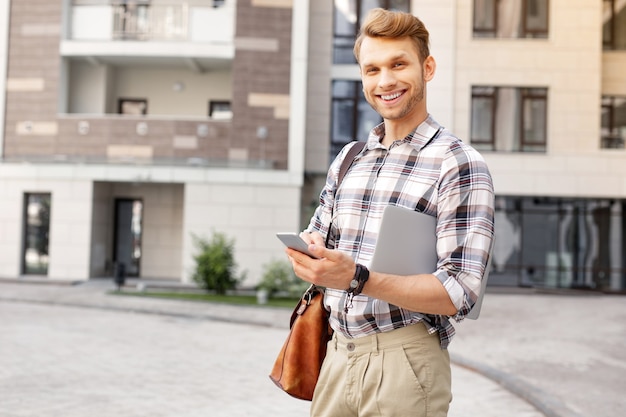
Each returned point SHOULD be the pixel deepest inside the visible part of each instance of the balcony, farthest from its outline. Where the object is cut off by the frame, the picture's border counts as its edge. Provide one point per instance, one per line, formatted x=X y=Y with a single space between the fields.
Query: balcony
x=176 y=57
x=104 y=33
x=612 y=142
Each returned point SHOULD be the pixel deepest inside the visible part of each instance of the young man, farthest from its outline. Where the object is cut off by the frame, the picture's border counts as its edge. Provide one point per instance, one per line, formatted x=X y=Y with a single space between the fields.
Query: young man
x=388 y=355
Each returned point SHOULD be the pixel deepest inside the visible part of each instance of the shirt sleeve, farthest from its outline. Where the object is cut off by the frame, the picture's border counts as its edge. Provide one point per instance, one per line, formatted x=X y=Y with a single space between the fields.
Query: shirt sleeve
x=465 y=227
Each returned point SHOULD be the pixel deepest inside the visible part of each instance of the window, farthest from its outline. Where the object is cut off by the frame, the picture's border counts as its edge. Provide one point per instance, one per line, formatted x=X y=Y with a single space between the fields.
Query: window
x=510 y=18
x=352 y=116
x=559 y=243
x=348 y=17
x=132 y=106
x=220 y=109
x=613 y=128
x=614 y=24
x=508 y=119
x=36 y=233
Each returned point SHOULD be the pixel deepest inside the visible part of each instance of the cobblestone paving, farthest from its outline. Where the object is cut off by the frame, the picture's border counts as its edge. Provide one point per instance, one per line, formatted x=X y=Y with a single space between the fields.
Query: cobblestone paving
x=83 y=362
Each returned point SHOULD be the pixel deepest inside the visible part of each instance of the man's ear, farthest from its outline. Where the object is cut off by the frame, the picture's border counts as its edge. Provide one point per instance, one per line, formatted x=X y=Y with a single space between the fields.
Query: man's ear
x=429 y=68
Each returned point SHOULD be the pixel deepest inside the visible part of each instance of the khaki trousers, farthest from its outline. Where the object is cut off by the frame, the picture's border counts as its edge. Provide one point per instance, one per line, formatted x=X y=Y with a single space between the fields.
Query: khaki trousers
x=400 y=373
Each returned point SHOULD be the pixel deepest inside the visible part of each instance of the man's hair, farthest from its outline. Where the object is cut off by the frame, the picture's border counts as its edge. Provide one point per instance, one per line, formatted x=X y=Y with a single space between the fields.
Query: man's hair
x=381 y=23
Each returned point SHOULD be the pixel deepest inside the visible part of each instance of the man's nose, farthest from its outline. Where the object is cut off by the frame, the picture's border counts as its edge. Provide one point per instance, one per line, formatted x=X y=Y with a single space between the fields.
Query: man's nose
x=387 y=78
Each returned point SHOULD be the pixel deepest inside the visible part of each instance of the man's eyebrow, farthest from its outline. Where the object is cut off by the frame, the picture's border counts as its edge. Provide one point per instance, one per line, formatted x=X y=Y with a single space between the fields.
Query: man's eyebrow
x=399 y=56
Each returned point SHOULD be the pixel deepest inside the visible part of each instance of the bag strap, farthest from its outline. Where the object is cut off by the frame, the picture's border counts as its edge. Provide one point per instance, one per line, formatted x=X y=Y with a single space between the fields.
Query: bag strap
x=343 y=170
x=348 y=160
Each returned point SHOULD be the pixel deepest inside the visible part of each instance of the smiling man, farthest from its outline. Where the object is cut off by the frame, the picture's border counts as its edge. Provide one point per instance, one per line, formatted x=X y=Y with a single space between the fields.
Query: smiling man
x=388 y=356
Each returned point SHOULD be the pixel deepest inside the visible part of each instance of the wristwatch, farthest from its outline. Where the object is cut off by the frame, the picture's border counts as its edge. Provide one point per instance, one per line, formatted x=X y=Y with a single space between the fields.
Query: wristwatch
x=361 y=275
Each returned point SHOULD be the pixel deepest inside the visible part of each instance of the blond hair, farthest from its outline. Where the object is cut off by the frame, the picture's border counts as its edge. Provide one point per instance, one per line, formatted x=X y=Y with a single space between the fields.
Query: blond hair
x=381 y=23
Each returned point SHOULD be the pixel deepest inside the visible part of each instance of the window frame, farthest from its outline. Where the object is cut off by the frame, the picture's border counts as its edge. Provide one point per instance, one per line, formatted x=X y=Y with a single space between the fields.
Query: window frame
x=336 y=144
x=133 y=101
x=611 y=141
x=215 y=107
x=355 y=98
x=490 y=32
x=611 y=44
x=526 y=32
x=528 y=95
x=493 y=97
x=521 y=145
x=535 y=33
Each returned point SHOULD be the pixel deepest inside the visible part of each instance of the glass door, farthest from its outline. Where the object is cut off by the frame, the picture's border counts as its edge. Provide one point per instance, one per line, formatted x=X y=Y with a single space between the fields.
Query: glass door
x=128 y=235
x=35 y=257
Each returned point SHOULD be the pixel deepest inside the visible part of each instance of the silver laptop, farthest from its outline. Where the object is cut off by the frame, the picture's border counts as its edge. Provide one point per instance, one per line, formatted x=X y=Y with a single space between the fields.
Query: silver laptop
x=407 y=244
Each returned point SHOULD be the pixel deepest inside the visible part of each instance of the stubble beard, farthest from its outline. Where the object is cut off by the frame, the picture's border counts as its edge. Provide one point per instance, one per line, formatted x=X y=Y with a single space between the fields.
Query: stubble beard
x=409 y=106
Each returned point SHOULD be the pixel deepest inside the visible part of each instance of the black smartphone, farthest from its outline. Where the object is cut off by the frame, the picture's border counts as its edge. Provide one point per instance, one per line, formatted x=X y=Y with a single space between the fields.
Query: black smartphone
x=294 y=241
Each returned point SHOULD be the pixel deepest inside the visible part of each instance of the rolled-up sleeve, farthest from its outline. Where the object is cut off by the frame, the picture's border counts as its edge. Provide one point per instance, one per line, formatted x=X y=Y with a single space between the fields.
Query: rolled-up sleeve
x=465 y=227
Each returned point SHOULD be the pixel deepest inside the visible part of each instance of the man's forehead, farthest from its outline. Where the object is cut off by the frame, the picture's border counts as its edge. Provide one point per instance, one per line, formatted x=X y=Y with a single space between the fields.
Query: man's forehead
x=374 y=49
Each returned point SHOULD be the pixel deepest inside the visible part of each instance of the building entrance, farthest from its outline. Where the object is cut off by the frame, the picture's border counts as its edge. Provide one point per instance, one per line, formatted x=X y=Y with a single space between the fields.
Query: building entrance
x=128 y=235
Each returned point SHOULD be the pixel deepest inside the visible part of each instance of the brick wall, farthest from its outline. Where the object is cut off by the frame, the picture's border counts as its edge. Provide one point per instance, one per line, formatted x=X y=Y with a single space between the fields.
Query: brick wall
x=261 y=79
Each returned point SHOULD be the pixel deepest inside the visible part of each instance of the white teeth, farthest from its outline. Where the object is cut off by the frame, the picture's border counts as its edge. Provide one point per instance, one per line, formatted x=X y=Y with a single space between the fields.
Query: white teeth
x=391 y=96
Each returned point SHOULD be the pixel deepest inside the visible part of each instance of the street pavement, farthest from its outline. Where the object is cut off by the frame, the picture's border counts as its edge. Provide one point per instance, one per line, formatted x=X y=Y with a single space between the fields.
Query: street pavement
x=78 y=350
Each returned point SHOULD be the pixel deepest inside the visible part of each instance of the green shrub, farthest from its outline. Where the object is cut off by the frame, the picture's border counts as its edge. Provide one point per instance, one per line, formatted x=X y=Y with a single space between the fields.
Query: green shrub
x=278 y=277
x=215 y=263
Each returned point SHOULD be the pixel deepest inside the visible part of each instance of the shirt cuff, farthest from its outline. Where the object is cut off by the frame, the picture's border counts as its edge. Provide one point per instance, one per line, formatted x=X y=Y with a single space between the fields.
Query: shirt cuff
x=454 y=289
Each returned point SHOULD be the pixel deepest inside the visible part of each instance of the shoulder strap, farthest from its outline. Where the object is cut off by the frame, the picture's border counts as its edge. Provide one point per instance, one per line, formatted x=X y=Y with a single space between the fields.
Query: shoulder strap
x=343 y=169
x=348 y=160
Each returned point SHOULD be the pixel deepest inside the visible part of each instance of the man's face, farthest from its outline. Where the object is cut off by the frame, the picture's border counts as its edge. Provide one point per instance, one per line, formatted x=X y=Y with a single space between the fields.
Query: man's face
x=393 y=77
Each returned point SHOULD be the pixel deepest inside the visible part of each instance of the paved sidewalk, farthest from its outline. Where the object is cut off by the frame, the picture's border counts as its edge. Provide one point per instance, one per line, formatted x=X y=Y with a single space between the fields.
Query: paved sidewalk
x=528 y=355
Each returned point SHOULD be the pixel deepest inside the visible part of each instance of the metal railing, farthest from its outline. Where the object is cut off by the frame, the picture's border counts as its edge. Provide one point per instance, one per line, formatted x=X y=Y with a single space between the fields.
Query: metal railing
x=150 y=22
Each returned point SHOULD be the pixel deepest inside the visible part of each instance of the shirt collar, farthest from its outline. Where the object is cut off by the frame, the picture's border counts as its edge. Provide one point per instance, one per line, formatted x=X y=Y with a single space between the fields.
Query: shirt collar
x=418 y=138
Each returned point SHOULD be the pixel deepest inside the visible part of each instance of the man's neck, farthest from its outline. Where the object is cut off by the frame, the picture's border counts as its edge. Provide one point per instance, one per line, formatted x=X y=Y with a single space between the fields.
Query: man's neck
x=395 y=130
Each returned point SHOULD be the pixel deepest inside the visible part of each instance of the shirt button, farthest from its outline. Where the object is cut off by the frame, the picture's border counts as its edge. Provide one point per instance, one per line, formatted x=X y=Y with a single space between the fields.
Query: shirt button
x=350 y=347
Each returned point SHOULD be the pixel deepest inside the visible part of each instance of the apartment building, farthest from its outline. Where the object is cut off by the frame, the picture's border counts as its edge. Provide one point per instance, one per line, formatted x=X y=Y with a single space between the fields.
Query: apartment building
x=130 y=126
x=539 y=87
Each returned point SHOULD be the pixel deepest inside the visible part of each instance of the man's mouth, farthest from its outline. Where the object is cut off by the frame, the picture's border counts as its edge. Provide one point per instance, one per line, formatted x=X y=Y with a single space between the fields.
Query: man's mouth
x=390 y=97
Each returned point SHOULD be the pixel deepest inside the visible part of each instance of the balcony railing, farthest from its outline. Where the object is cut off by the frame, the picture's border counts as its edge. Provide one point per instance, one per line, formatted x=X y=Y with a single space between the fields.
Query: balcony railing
x=101 y=20
x=612 y=142
x=150 y=22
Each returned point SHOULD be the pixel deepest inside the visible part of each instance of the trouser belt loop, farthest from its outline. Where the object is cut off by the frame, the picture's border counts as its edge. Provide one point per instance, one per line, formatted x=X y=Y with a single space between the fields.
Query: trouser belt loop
x=375 y=344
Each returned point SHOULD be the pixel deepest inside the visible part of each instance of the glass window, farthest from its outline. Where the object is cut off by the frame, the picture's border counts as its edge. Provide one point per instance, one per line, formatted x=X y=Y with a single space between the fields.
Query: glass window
x=511 y=18
x=345 y=30
x=132 y=106
x=36 y=233
x=485 y=18
x=613 y=128
x=508 y=119
x=534 y=119
x=559 y=243
x=536 y=17
x=540 y=241
x=483 y=112
x=348 y=17
x=220 y=109
x=352 y=116
x=614 y=24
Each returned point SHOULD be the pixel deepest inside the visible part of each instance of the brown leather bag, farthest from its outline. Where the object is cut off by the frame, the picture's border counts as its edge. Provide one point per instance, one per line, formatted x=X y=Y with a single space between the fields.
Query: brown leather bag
x=298 y=364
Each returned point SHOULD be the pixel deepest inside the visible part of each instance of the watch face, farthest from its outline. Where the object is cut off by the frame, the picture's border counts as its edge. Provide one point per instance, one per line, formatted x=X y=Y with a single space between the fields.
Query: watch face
x=354 y=283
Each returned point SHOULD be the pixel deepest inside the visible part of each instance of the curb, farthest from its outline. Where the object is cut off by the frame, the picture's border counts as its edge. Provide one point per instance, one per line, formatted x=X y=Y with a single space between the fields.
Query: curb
x=548 y=406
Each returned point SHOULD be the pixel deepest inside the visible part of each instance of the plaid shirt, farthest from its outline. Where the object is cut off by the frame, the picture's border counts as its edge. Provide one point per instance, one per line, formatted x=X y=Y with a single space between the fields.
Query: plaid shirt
x=431 y=171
